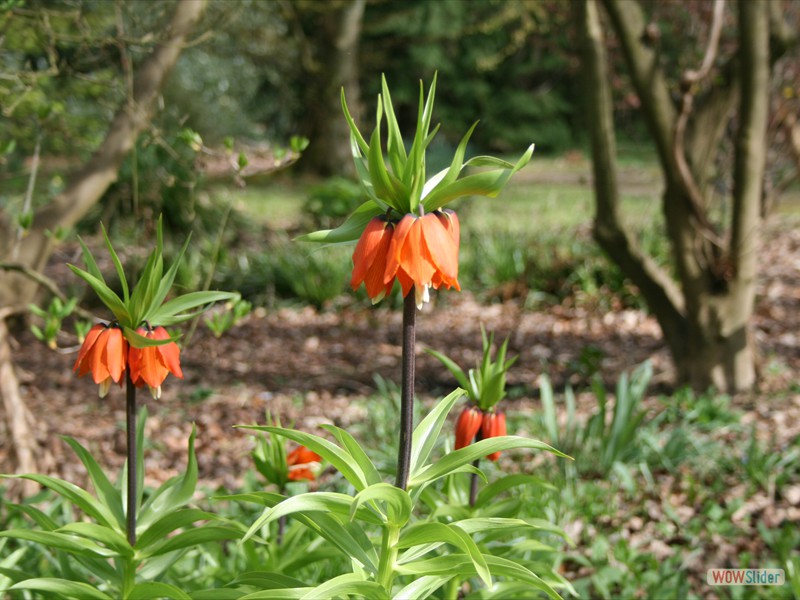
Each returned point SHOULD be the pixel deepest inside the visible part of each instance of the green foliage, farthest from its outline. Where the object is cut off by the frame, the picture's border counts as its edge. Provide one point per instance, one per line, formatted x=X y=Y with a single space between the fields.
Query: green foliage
x=330 y=202
x=91 y=557
x=486 y=384
x=392 y=552
x=283 y=271
x=146 y=302
x=609 y=436
x=55 y=314
x=221 y=321
x=398 y=182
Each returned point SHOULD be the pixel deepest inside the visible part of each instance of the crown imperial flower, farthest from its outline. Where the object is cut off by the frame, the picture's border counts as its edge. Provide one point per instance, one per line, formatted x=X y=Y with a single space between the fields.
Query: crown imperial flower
x=468 y=425
x=104 y=354
x=152 y=364
x=297 y=461
x=423 y=253
x=494 y=425
x=402 y=225
x=369 y=259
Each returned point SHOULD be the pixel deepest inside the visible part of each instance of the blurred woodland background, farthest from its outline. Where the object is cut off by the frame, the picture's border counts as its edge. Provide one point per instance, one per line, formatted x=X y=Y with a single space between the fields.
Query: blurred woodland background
x=657 y=219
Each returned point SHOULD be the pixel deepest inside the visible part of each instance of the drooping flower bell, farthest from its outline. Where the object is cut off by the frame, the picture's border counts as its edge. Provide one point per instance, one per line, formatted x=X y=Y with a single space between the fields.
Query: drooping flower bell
x=103 y=353
x=423 y=253
x=152 y=364
x=298 y=461
x=494 y=425
x=369 y=259
x=468 y=425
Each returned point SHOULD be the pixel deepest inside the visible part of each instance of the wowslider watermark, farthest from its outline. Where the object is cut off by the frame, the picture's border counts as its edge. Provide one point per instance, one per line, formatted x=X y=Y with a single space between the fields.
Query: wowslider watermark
x=745 y=577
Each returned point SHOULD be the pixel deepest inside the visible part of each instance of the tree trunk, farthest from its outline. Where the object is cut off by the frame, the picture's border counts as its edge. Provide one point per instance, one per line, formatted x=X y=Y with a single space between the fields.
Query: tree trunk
x=89 y=184
x=84 y=189
x=705 y=318
x=334 y=31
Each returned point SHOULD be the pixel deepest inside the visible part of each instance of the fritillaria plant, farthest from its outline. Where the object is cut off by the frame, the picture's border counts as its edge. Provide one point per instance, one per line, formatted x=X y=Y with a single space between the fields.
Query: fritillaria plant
x=486 y=387
x=404 y=232
x=135 y=346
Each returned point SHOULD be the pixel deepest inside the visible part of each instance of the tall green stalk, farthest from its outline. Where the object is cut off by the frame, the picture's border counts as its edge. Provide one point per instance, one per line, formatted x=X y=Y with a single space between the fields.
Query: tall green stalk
x=407 y=390
x=130 y=408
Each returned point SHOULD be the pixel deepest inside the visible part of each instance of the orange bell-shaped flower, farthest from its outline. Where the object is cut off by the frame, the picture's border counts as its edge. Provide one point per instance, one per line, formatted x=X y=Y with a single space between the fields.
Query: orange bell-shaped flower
x=297 y=460
x=449 y=220
x=423 y=253
x=369 y=259
x=103 y=353
x=468 y=425
x=494 y=425
x=152 y=364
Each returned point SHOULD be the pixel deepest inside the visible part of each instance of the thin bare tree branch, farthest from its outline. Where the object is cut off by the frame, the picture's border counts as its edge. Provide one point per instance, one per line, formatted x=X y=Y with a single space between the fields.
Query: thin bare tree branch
x=689 y=83
x=47 y=283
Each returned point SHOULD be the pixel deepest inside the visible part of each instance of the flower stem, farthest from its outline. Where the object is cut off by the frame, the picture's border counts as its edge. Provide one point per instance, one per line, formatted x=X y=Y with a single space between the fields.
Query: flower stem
x=473 y=484
x=407 y=390
x=130 y=407
x=388 y=557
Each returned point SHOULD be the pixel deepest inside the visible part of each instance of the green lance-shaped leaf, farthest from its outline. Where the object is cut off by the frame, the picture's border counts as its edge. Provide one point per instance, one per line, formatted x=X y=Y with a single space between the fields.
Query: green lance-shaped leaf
x=225 y=593
x=487 y=183
x=423 y=587
x=427 y=432
x=110 y=538
x=165 y=284
x=451 y=366
x=338 y=458
x=161 y=529
x=349 y=584
x=432 y=532
x=42 y=519
x=449 y=175
x=492 y=526
x=145 y=287
x=461 y=564
x=196 y=536
x=268 y=499
x=398 y=502
x=173 y=493
x=415 y=166
x=267 y=580
x=117 y=265
x=106 y=294
x=394 y=142
x=106 y=492
x=361 y=143
x=325 y=502
x=137 y=340
x=349 y=444
x=91 y=263
x=175 y=311
x=314 y=511
x=491 y=491
x=467 y=455
x=350 y=230
x=147 y=590
x=69 y=543
x=8 y=574
x=82 y=499
x=62 y=587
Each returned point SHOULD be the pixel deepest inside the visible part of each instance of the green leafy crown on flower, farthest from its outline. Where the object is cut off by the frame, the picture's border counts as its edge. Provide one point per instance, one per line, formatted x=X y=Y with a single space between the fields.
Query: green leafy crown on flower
x=486 y=384
x=401 y=185
x=145 y=303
